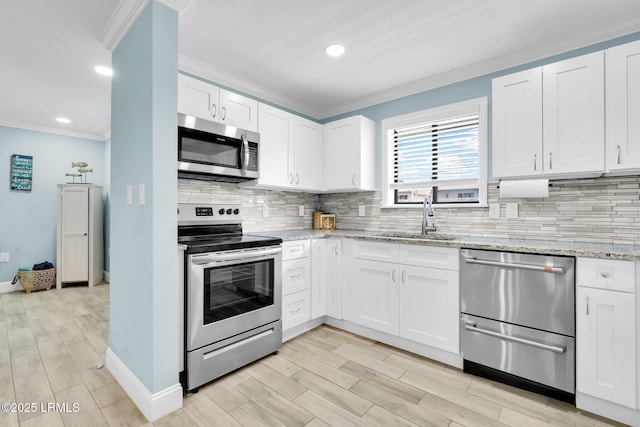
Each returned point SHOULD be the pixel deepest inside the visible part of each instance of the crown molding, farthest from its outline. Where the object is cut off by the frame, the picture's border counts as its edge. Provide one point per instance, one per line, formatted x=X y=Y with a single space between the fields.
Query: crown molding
x=56 y=131
x=218 y=76
x=125 y=14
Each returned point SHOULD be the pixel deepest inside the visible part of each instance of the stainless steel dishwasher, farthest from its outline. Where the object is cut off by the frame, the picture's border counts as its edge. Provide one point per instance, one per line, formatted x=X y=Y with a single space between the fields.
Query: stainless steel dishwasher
x=517 y=320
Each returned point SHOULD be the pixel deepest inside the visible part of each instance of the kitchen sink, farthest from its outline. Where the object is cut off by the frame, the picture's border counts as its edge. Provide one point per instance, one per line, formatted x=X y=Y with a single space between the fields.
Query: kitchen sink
x=417 y=236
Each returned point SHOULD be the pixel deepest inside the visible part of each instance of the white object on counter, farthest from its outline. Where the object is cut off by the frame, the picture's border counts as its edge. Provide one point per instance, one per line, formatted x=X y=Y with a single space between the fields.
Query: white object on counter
x=524 y=188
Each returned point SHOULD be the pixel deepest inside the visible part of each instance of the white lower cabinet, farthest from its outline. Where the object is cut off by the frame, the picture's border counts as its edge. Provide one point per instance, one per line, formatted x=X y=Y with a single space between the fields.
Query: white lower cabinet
x=401 y=298
x=296 y=283
x=606 y=335
x=333 y=269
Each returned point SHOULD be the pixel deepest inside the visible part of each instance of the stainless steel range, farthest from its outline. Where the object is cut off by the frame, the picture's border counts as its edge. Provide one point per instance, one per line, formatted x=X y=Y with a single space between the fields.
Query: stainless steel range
x=233 y=292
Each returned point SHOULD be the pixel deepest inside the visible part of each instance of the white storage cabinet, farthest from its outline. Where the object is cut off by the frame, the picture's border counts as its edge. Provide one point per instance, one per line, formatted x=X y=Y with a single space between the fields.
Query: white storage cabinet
x=296 y=283
x=80 y=235
x=410 y=291
x=606 y=336
x=209 y=102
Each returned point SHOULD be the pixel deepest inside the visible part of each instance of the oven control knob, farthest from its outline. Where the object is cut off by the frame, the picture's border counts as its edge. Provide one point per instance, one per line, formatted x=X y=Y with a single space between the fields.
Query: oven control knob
x=221 y=211
x=236 y=211
x=229 y=211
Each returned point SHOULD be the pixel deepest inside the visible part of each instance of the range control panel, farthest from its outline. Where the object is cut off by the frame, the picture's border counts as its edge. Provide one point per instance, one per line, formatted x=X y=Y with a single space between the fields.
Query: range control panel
x=209 y=213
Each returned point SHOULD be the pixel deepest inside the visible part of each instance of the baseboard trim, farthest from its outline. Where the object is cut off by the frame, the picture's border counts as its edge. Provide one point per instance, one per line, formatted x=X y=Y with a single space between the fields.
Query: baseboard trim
x=153 y=406
x=8 y=287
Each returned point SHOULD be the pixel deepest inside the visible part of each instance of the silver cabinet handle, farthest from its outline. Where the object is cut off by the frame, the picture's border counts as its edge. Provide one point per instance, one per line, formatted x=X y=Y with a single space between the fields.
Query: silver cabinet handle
x=291 y=178
x=393 y=275
x=587 y=299
x=214 y=110
x=297 y=179
x=353 y=179
x=223 y=114
x=535 y=162
x=404 y=277
x=531 y=267
x=335 y=249
x=559 y=349
x=619 y=154
x=244 y=155
x=550 y=161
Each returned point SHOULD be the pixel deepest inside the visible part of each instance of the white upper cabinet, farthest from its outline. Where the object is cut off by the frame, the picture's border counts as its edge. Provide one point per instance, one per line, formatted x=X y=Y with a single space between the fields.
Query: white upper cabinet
x=276 y=137
x=349 y=154
x=306 y=172
x=550 y=120
x=206 y=101
x=517 y=124
x=623 y=108
x=573 y=115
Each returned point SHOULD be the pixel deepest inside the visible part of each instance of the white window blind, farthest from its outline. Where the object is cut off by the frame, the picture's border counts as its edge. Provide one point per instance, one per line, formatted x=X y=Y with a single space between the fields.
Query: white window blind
x=443 y=153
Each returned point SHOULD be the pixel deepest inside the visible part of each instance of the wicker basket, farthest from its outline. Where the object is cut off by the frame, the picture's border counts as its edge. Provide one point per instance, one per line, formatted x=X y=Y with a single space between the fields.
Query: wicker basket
x=36 y=280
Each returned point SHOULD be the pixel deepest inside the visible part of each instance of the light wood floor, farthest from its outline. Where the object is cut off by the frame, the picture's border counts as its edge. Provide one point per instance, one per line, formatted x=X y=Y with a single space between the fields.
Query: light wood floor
x=52 y=341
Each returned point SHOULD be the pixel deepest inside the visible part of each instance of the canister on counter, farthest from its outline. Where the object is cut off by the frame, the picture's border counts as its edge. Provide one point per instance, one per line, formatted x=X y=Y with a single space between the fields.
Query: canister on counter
x=317 y=223
x=328 y=222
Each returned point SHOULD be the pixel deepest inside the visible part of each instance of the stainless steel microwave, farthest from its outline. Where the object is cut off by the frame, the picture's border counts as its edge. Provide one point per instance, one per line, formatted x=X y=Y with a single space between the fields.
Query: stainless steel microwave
x=217 y=152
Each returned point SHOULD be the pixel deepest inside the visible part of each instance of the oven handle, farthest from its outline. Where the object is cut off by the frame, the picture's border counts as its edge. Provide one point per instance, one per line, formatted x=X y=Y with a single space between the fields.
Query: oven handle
x=531 y=267
x=243 y=255
x=559 y=349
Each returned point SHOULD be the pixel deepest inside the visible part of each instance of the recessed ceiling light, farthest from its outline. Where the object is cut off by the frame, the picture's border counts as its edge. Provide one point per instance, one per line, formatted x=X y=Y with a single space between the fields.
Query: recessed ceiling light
x=334 y=50
x=105 y=71
x=63 y=120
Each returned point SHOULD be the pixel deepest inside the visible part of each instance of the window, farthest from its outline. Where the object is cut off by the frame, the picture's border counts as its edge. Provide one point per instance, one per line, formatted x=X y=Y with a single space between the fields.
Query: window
x=442 y=150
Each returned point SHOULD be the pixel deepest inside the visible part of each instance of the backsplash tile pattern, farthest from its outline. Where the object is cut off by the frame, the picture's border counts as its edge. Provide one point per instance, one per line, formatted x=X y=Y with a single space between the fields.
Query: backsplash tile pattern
x=283 y=205
x=602 y=210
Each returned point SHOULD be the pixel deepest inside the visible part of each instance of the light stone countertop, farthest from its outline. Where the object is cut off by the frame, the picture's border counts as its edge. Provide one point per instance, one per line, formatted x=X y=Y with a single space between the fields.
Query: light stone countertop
x=547 y=247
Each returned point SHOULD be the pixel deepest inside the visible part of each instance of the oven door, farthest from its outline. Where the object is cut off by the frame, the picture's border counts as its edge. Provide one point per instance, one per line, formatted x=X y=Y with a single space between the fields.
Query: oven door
x=232 y=292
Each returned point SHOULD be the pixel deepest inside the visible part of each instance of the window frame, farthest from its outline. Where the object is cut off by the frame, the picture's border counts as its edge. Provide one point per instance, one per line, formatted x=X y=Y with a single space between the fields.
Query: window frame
x=472 y=106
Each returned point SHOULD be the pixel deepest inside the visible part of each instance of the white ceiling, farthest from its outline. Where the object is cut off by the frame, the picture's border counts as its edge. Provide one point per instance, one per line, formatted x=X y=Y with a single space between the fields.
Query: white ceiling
x=273 y=49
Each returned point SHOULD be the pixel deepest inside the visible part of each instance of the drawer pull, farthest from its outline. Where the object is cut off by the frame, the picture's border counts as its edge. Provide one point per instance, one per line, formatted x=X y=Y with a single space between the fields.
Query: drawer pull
x=559 y=349
x=295 y=311
x=605 y=274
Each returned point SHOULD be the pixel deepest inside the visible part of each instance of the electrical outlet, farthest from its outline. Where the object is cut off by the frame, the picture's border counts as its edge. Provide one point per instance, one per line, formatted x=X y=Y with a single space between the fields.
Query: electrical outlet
x=301 y=210
x=129 y=195
x=4 y=256
x=265 y=211
x=141 y=194
x=494 y=210
x=361 y=210
x=512 y=210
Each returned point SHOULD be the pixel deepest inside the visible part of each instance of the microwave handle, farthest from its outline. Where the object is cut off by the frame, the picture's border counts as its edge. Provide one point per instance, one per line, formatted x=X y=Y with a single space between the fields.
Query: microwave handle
x=244 y=155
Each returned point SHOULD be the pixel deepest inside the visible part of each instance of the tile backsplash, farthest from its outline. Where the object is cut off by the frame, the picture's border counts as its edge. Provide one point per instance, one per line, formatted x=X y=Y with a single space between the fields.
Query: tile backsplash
x=604 y=210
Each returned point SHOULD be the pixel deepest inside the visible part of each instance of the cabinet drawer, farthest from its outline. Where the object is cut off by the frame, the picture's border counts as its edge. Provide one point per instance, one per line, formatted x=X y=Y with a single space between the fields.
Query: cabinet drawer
x=429 y=256
x=387 y=252
x=617 y=275
x=295 y=249
x=296 y=275
x=296 y=309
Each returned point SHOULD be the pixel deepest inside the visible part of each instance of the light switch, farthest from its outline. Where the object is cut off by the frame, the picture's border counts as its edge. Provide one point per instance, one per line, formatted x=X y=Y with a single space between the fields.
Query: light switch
x=129 y=195
x=4 y=256
x=141 y=194
x=361 y=210
x=494 y=210
x=265 y=211
x=512 y=210
x=301 y=210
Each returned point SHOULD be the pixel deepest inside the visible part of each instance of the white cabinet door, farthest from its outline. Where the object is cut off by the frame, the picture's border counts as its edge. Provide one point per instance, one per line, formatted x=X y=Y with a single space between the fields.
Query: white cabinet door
x=573 y=115
x=334 y=278
x=623 y=107
x=197 y=98
x=349 y=154
x=318 y=278
x=239 y=111
x=307 y=155
x=606 y=345
x=374 y=295
x=276 y=139
x=296 y=275
x=517 y=124
x=74 y=234
x=296 y=309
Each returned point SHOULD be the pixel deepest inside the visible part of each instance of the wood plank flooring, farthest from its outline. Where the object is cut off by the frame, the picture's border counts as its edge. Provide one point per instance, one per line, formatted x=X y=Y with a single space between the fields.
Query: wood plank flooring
x=52 y=341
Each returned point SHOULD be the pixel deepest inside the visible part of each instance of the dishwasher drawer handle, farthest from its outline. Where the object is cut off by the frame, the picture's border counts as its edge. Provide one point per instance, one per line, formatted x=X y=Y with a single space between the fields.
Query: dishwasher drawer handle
x=559 y=349
x=531 y=267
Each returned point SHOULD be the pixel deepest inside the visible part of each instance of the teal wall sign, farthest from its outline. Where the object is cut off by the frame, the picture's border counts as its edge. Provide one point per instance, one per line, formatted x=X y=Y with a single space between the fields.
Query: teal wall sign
x=21 y=172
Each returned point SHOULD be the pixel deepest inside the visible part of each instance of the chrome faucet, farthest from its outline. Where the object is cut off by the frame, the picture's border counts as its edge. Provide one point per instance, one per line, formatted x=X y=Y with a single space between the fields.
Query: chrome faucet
x=427 y=210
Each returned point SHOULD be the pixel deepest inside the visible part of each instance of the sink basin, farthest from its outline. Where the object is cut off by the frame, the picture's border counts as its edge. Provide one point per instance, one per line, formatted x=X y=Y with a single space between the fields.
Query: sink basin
x=401 y=235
